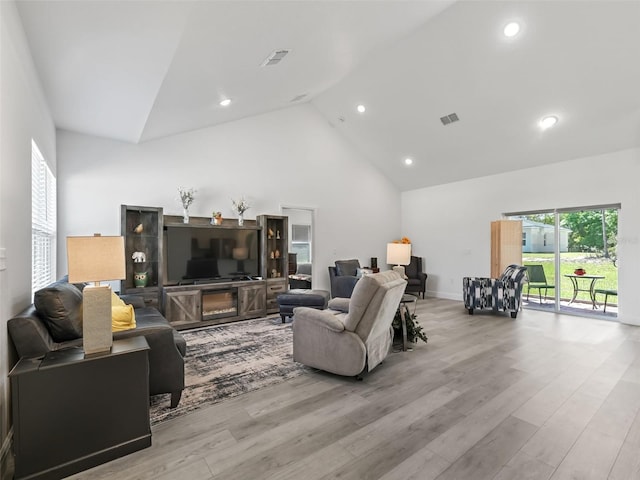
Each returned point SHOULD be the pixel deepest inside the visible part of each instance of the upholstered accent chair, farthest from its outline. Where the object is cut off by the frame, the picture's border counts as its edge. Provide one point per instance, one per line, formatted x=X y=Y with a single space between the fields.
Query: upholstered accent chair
x=343 y=277
x=416 y=278
x=354 y=334
x=498 y=294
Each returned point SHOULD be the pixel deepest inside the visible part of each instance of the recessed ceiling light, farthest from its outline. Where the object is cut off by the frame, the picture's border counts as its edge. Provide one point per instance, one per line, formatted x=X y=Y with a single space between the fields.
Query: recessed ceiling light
x=548 y=122
x=226 y=102
x=511 y=29
x=408 y=161
x=361 y=108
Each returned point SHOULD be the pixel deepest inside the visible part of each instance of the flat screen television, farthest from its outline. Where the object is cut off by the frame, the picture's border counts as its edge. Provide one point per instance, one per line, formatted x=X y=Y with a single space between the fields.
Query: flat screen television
x=196 y=254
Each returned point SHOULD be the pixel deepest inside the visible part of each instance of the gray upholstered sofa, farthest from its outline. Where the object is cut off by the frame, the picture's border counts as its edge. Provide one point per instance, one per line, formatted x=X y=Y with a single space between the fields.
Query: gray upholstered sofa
x=354 y=334
x=54 y=322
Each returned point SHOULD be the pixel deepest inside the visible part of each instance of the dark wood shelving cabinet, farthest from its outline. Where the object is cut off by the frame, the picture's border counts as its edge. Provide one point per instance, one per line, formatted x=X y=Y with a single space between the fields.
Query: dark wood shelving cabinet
x=275 y=256
x=202 y=303
x=141 y=228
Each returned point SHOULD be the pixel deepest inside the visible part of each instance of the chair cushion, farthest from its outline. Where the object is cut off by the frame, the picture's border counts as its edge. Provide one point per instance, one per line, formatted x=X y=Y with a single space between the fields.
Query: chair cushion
x=347 y=267
x=60 y=307
x=411 y=270
x=363 y=292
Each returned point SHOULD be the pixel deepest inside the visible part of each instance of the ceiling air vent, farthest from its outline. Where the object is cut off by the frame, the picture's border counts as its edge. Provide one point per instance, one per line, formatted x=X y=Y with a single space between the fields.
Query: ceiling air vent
x=275 y=57
x=447 y=119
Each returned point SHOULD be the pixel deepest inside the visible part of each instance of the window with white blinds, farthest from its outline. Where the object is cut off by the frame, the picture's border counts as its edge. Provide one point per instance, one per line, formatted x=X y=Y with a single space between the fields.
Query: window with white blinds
x=43 y=221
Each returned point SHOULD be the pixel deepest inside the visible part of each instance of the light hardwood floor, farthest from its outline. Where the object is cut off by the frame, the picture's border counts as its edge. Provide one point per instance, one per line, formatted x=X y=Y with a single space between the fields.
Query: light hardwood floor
x=542 y=397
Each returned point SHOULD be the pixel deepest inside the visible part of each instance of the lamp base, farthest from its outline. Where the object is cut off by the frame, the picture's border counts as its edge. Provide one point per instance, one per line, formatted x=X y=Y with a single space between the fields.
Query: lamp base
x=400 y=270
x=96 y=319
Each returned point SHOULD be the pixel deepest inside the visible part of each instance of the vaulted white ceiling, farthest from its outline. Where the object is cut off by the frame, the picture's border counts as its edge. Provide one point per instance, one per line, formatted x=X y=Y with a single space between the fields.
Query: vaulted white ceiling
x=138 y=70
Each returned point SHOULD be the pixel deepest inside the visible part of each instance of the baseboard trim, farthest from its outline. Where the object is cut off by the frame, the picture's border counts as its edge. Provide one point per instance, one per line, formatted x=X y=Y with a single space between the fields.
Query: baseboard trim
x=5 y=454
x=444 y=295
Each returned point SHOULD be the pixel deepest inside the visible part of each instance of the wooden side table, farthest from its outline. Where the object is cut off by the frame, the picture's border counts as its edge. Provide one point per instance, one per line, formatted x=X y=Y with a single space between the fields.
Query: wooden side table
x=71 y=413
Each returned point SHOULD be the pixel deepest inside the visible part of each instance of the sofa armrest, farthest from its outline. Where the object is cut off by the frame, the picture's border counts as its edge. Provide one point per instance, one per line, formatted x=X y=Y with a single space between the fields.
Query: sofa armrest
x=166 y=364
x=30 y=335
x=340 y=304
x=320 y=318
x=136 y=300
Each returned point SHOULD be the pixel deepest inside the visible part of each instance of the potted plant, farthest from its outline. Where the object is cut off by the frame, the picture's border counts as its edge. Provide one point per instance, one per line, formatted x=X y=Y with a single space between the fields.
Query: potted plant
x=415 y=331
x=240 y=206
x=186 y=197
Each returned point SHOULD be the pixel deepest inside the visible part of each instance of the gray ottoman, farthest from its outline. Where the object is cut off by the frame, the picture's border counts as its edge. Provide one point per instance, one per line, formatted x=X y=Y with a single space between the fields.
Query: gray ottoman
x=301 y=298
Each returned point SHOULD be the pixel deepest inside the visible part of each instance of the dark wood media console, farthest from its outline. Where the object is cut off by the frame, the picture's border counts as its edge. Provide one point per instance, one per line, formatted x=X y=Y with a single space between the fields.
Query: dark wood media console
x=197 y=305
x=232 y=297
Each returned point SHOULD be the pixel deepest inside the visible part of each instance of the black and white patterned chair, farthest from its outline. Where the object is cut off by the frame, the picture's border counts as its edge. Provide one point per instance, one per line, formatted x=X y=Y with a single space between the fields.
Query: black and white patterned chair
x=498 y=294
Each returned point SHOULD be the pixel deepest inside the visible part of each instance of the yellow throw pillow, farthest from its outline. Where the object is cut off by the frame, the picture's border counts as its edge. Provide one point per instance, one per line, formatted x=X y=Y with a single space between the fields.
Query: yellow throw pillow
x=116 y=300
x=123 y=316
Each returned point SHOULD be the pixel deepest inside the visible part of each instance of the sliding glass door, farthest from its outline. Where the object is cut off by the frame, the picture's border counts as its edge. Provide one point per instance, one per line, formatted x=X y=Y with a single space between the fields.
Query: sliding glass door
x=571 y=259
x=539 y=256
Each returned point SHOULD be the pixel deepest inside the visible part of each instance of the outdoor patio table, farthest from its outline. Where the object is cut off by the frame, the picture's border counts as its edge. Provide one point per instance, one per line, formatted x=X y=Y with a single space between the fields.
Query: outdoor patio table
x=576 y=286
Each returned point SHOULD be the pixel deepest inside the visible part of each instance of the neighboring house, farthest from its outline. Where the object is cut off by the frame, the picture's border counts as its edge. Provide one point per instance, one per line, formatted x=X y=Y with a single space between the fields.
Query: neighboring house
x=539 y=237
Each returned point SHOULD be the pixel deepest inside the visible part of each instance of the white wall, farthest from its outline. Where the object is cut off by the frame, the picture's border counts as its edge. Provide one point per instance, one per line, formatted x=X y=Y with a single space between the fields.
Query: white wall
x=449 y=225
x=289 y=157
x=23 y=115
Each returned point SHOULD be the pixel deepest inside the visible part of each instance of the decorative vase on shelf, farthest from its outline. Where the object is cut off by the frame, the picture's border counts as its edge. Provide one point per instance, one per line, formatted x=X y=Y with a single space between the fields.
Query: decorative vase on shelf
x=240 y=219
x=185 y=215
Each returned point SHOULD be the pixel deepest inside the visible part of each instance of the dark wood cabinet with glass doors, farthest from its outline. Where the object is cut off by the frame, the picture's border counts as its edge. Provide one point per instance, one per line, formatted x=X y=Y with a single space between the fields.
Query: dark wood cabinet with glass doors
x=275 y=257
x=141 y=228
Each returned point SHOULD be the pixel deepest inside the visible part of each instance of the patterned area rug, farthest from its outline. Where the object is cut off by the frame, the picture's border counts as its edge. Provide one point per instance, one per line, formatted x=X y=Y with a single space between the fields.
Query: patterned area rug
x=228 y=360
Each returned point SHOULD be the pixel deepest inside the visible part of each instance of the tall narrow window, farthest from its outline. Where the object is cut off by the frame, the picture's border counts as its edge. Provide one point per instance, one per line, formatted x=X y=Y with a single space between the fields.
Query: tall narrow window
x=43 y=221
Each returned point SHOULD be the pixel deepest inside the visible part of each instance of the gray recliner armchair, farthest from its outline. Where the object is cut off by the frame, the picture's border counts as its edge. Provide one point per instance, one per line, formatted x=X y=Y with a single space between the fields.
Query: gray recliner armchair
x=353 y=335
x=343 y=277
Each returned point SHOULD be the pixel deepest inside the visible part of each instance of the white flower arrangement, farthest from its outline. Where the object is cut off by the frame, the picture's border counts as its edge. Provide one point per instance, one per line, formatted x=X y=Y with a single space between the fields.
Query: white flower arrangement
x=240 y=206
x=186 y=196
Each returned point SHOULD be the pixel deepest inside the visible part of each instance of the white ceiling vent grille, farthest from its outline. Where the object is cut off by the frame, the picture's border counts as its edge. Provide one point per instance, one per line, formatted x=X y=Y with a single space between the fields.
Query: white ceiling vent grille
x=275 y=57
x=447 y=119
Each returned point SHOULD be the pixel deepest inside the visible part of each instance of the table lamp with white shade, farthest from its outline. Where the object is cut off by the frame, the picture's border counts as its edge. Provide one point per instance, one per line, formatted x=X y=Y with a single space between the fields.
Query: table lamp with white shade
x=96 y=259
x=399 y=254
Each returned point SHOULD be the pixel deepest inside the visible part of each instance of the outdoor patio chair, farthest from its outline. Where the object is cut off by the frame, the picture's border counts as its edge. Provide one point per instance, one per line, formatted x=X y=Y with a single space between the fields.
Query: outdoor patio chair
x=537 y=279
x=607 y=294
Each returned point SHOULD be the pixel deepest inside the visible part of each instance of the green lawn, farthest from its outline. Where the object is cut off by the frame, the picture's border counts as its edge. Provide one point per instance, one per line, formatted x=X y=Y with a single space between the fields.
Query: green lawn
x=593 y=264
